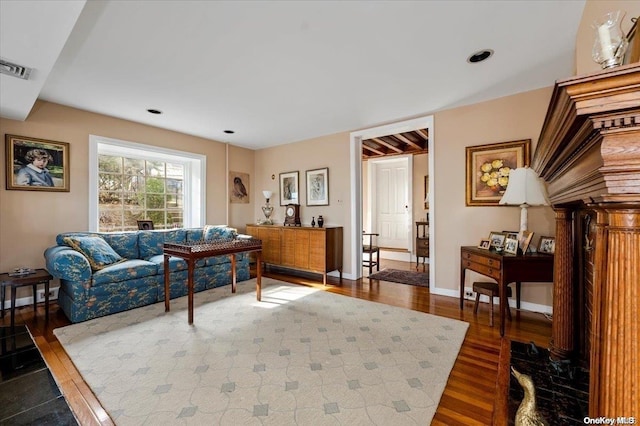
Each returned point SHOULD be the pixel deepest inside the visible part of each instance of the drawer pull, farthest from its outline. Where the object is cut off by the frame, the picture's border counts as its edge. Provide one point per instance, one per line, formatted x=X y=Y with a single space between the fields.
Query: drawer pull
x=468 y=255
x=490 y=262
x=490 y=271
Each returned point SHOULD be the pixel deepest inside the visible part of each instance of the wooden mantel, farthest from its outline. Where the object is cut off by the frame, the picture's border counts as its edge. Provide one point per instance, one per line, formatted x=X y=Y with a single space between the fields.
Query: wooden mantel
x=589 y=155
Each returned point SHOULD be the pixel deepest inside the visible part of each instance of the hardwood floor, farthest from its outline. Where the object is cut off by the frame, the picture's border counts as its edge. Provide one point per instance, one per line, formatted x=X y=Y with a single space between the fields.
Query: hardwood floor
x=468 y=398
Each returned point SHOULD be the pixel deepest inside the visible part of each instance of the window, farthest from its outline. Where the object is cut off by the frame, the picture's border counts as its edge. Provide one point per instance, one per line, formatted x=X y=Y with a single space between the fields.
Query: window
x=131 y=182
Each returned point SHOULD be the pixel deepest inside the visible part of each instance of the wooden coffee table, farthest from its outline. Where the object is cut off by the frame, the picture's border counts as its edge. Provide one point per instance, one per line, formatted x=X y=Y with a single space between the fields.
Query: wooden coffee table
x=191 y=252
x=39 y=276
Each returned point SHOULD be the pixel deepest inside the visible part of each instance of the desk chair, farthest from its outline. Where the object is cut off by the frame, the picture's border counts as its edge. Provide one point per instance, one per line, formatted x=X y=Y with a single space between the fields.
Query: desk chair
x=369 y=248
x=491 y=290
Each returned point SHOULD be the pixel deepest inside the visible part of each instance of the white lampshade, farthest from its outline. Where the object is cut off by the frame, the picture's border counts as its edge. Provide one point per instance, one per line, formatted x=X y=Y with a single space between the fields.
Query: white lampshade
x=525 y=189
x=267 y=194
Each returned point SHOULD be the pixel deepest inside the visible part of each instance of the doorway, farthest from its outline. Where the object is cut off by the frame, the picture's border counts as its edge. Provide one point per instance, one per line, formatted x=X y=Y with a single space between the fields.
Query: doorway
x=357 y=218
x=389 y=189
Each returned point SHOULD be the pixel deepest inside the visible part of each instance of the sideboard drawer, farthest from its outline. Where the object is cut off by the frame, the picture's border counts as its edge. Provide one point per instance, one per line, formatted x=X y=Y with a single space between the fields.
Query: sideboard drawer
x=488 y=261
x=490 y=271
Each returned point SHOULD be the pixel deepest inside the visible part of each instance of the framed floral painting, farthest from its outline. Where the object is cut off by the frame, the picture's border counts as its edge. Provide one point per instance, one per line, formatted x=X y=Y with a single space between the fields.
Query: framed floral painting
x=488 y=169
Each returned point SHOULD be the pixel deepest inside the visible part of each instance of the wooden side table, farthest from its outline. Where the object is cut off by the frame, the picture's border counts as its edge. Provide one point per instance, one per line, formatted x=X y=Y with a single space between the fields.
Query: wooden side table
x=422 y=242
x=40 y=276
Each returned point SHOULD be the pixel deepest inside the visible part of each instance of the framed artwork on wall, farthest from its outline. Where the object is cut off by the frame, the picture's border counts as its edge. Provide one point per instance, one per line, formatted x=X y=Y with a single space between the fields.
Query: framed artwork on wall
x=488 y=168
x=37 y=164
x=318 y=187
x=289 y=187
x=239 y=189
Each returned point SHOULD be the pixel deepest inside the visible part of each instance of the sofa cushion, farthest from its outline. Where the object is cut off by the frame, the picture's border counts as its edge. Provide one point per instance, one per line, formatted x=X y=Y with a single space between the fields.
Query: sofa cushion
x=124 y=243
x=123 y=271
x=97 y=251
x=150 y=242
x=217 y=232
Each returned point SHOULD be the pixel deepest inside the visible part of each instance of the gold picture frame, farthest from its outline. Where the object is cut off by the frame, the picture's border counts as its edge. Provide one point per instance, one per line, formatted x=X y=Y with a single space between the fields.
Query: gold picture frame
x=34 y=164
x=488 y=168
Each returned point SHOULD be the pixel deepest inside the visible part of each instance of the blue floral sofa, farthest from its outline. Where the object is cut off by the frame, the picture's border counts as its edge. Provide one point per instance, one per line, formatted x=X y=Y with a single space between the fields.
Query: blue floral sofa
x=105 y=273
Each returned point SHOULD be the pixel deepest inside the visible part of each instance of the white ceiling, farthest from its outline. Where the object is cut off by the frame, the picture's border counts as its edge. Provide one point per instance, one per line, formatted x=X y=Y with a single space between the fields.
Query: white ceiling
x=279 y=71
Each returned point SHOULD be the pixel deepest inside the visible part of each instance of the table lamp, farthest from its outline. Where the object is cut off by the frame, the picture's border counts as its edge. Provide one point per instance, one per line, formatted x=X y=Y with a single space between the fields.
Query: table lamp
x=267 y=209
x=525 y=189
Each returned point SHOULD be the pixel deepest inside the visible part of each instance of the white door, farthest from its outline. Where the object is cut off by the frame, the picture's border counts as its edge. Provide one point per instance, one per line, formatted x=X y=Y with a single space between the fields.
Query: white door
x=390 y=200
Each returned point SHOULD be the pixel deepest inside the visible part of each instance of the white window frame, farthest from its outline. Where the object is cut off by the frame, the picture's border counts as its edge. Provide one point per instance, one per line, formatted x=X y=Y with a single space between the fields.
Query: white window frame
x=195 y=167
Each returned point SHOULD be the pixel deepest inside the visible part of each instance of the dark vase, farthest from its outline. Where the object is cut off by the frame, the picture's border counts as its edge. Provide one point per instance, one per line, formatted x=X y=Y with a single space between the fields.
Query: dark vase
x=313 y=221
x=320 y=221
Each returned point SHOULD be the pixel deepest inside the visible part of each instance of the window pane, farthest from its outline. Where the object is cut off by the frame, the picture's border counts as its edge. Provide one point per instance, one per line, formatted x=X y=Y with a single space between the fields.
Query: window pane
x=154 y=185
x=133 y=199
x=175 y=171
x=109 y=182
x=133 y=183
x=155 y=168
x=110 y=220
x=174 y=201
x=109 y=198
x=155 y=201
x=133 y=166
x=158 y=219
x=107 y=163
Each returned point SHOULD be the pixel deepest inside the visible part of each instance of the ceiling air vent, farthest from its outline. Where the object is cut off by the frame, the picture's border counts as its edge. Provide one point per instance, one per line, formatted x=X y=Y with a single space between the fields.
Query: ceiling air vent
x=14 y=70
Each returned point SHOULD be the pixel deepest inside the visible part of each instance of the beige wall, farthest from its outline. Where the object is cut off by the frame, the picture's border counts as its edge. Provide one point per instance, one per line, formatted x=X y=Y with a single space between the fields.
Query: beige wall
x=29 y=221
x=593 y=10
x=242 y=160
x=506 y=119
x=329 y=151
x=511 y=118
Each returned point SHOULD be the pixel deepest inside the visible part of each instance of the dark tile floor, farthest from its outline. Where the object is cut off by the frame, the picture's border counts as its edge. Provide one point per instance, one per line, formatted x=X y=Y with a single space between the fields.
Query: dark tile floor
x=28 y=393
x=561 y=398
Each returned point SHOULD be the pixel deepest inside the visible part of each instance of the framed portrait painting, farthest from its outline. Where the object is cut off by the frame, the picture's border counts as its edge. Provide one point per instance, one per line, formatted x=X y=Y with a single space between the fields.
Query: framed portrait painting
x=37 y=164
x=488 y=169
x=318 y=187
x=289 y=188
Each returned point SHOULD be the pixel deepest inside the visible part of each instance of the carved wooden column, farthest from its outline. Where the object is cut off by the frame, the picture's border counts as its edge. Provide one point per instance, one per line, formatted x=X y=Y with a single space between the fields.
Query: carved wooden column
x=588 y=153
x=618 y=375
x=562 y=328
x=599 y=245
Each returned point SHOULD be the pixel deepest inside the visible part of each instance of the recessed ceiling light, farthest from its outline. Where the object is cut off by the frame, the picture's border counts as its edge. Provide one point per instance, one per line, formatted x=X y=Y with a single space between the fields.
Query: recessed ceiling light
x=154 y=111
x=229 y=132
x=480 y=56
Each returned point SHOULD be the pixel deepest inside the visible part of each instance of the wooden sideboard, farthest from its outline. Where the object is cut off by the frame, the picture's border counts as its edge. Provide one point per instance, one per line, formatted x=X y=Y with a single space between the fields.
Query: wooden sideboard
x=301 y=247
x=588 y=153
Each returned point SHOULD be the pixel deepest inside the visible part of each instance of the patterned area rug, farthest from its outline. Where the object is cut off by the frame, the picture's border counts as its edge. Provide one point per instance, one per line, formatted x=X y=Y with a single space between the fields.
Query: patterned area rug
x=404 y=277
x=302 y=356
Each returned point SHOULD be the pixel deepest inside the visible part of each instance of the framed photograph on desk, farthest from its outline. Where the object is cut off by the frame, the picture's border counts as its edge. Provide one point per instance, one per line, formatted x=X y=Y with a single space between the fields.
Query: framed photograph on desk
x=511 y=245
x=547 y=245
x=525 y=240
x=497 y=239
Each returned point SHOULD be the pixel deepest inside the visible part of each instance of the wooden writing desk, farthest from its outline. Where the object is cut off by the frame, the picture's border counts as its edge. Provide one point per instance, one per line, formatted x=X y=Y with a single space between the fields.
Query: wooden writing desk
x=506 y=269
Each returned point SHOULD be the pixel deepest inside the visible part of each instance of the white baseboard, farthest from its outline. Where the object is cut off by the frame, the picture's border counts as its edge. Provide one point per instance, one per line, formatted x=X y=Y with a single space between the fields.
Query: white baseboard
x=27 y=301
x=525 y=306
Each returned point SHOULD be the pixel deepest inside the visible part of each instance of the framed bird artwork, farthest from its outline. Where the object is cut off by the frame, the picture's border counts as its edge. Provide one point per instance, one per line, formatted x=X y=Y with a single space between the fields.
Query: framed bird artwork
x=239 y=188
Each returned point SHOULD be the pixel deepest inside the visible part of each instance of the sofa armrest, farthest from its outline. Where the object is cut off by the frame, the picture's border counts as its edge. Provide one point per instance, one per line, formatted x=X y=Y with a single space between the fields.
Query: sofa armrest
x=65 y=263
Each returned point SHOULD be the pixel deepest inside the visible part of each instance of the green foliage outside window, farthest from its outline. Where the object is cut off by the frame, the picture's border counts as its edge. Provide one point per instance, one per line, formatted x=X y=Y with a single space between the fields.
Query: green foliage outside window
x=132 y=189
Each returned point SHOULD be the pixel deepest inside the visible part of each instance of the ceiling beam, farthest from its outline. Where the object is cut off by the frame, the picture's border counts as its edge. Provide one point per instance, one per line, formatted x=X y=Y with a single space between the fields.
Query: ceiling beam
x=424 y=133
x=388 y=145
x=408 y=141
x=368 y=148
